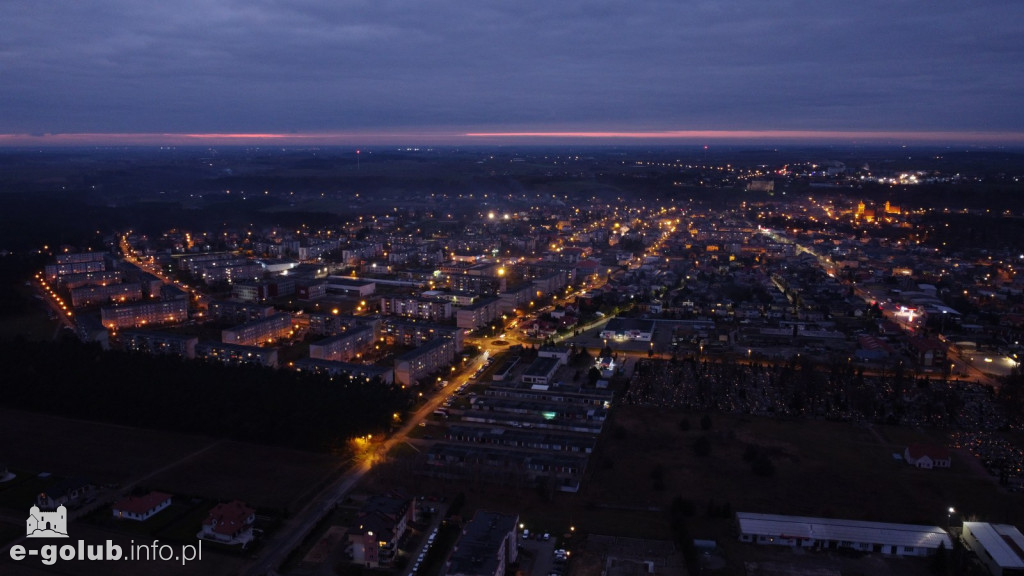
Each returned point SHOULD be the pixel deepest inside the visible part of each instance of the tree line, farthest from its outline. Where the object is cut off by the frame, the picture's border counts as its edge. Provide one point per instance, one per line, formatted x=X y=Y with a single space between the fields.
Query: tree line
x=246 y=403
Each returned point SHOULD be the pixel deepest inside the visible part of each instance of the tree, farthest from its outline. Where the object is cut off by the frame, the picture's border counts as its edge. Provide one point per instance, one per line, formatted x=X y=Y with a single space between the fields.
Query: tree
x=702 y=446
x=705 y=422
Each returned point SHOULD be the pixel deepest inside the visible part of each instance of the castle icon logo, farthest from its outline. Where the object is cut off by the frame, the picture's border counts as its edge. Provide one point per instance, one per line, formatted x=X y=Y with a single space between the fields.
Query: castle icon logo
x=47 y=524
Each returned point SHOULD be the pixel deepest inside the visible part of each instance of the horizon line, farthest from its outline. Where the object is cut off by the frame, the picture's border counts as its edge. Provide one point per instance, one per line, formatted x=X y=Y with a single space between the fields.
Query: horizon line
x=446 y=137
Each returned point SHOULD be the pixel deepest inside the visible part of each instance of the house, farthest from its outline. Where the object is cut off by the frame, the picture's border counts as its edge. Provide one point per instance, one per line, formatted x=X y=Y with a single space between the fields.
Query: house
x=923 y=456
x=229 y=523
x=141 y=508
x=65 y=493
x=927 y=351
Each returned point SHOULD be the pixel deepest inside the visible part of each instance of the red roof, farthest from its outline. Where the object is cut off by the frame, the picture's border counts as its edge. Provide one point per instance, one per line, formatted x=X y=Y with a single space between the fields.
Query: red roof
x=230 y=517
x=924 y=344
x=586 y=264
x=917 y=451
x=141 y=504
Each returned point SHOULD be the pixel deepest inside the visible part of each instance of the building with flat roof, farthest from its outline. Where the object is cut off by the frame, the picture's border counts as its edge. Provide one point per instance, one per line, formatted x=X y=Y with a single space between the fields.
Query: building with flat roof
x=487 y=545
x=351 y=286
x=236 y=354
x=999 y=546
x=541 y=371
x=367 y=372
x=412 y=366
x=259 y=331
x=159 y=343
x=147 y=313
x=236 y=311
x=628 y=329
x=343 y=347
x=477 y=314
x=432 y=309
x=90 y=294
x=832 y=534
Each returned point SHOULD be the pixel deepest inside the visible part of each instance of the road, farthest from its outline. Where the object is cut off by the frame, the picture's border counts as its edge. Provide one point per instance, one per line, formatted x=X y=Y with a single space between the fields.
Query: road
x=295 y=530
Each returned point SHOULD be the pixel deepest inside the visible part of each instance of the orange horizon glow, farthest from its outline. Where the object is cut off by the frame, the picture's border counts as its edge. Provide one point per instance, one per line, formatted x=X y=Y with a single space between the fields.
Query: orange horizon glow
x=442 y=136
x=853 y=135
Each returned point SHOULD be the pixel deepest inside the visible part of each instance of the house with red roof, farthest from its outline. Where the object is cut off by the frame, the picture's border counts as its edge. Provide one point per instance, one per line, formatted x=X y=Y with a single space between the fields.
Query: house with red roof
x=141 y=508
x=927 y=351
x=229 y=523
x=924 y=456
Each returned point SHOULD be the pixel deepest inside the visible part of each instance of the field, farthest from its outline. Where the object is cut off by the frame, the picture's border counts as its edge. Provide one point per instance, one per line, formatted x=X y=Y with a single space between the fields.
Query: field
x=263 y=476
x=103 y=453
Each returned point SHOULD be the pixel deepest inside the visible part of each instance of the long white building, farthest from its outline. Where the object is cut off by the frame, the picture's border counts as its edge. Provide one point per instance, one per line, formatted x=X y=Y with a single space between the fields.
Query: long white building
x=999 y=546
x=829 y=533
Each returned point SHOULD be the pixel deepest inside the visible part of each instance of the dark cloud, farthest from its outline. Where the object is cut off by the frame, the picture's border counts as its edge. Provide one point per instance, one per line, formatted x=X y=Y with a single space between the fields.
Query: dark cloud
x=264 y=66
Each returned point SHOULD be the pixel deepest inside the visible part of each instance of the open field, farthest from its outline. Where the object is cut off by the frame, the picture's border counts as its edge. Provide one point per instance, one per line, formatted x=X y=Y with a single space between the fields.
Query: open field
x=821 y=468
x=263 y=476
x=103 y=453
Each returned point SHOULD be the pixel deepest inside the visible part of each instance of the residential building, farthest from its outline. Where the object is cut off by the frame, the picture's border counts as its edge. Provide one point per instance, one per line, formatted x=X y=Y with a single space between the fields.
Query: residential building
x=159 y=343
x=343 y=347
x=148 y=313
x=235 y=354
x=259 y=331
x=141 y=508
x=229 y=523
x=91 y=294
x=381 y=523
x=928 y=457
x=363 y=371
x=412 y=366
x=487 y=545
x=236 y=311
x=431 y=309
x=477 y=314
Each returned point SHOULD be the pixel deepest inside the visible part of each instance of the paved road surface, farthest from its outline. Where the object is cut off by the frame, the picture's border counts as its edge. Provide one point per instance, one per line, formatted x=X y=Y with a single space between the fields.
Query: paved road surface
x=295 y=530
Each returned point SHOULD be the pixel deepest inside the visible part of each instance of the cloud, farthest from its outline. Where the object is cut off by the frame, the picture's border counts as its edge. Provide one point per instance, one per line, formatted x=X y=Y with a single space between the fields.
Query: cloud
x=269 y=66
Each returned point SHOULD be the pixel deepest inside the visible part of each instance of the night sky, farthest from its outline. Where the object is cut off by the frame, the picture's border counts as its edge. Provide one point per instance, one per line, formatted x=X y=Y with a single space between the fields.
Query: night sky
x=436 y=70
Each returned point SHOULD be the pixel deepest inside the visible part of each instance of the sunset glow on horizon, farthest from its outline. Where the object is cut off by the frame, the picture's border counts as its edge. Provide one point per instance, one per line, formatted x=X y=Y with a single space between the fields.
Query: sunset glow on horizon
x=443 y=137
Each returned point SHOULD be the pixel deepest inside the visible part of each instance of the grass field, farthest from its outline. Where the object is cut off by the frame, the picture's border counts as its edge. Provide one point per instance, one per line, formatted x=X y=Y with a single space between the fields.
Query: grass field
x=821 y=469
x=103 y=453
x=262 y=476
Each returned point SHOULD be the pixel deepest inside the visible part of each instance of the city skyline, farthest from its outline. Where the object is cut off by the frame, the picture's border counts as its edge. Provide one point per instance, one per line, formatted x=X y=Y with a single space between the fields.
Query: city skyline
x=455 y=73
